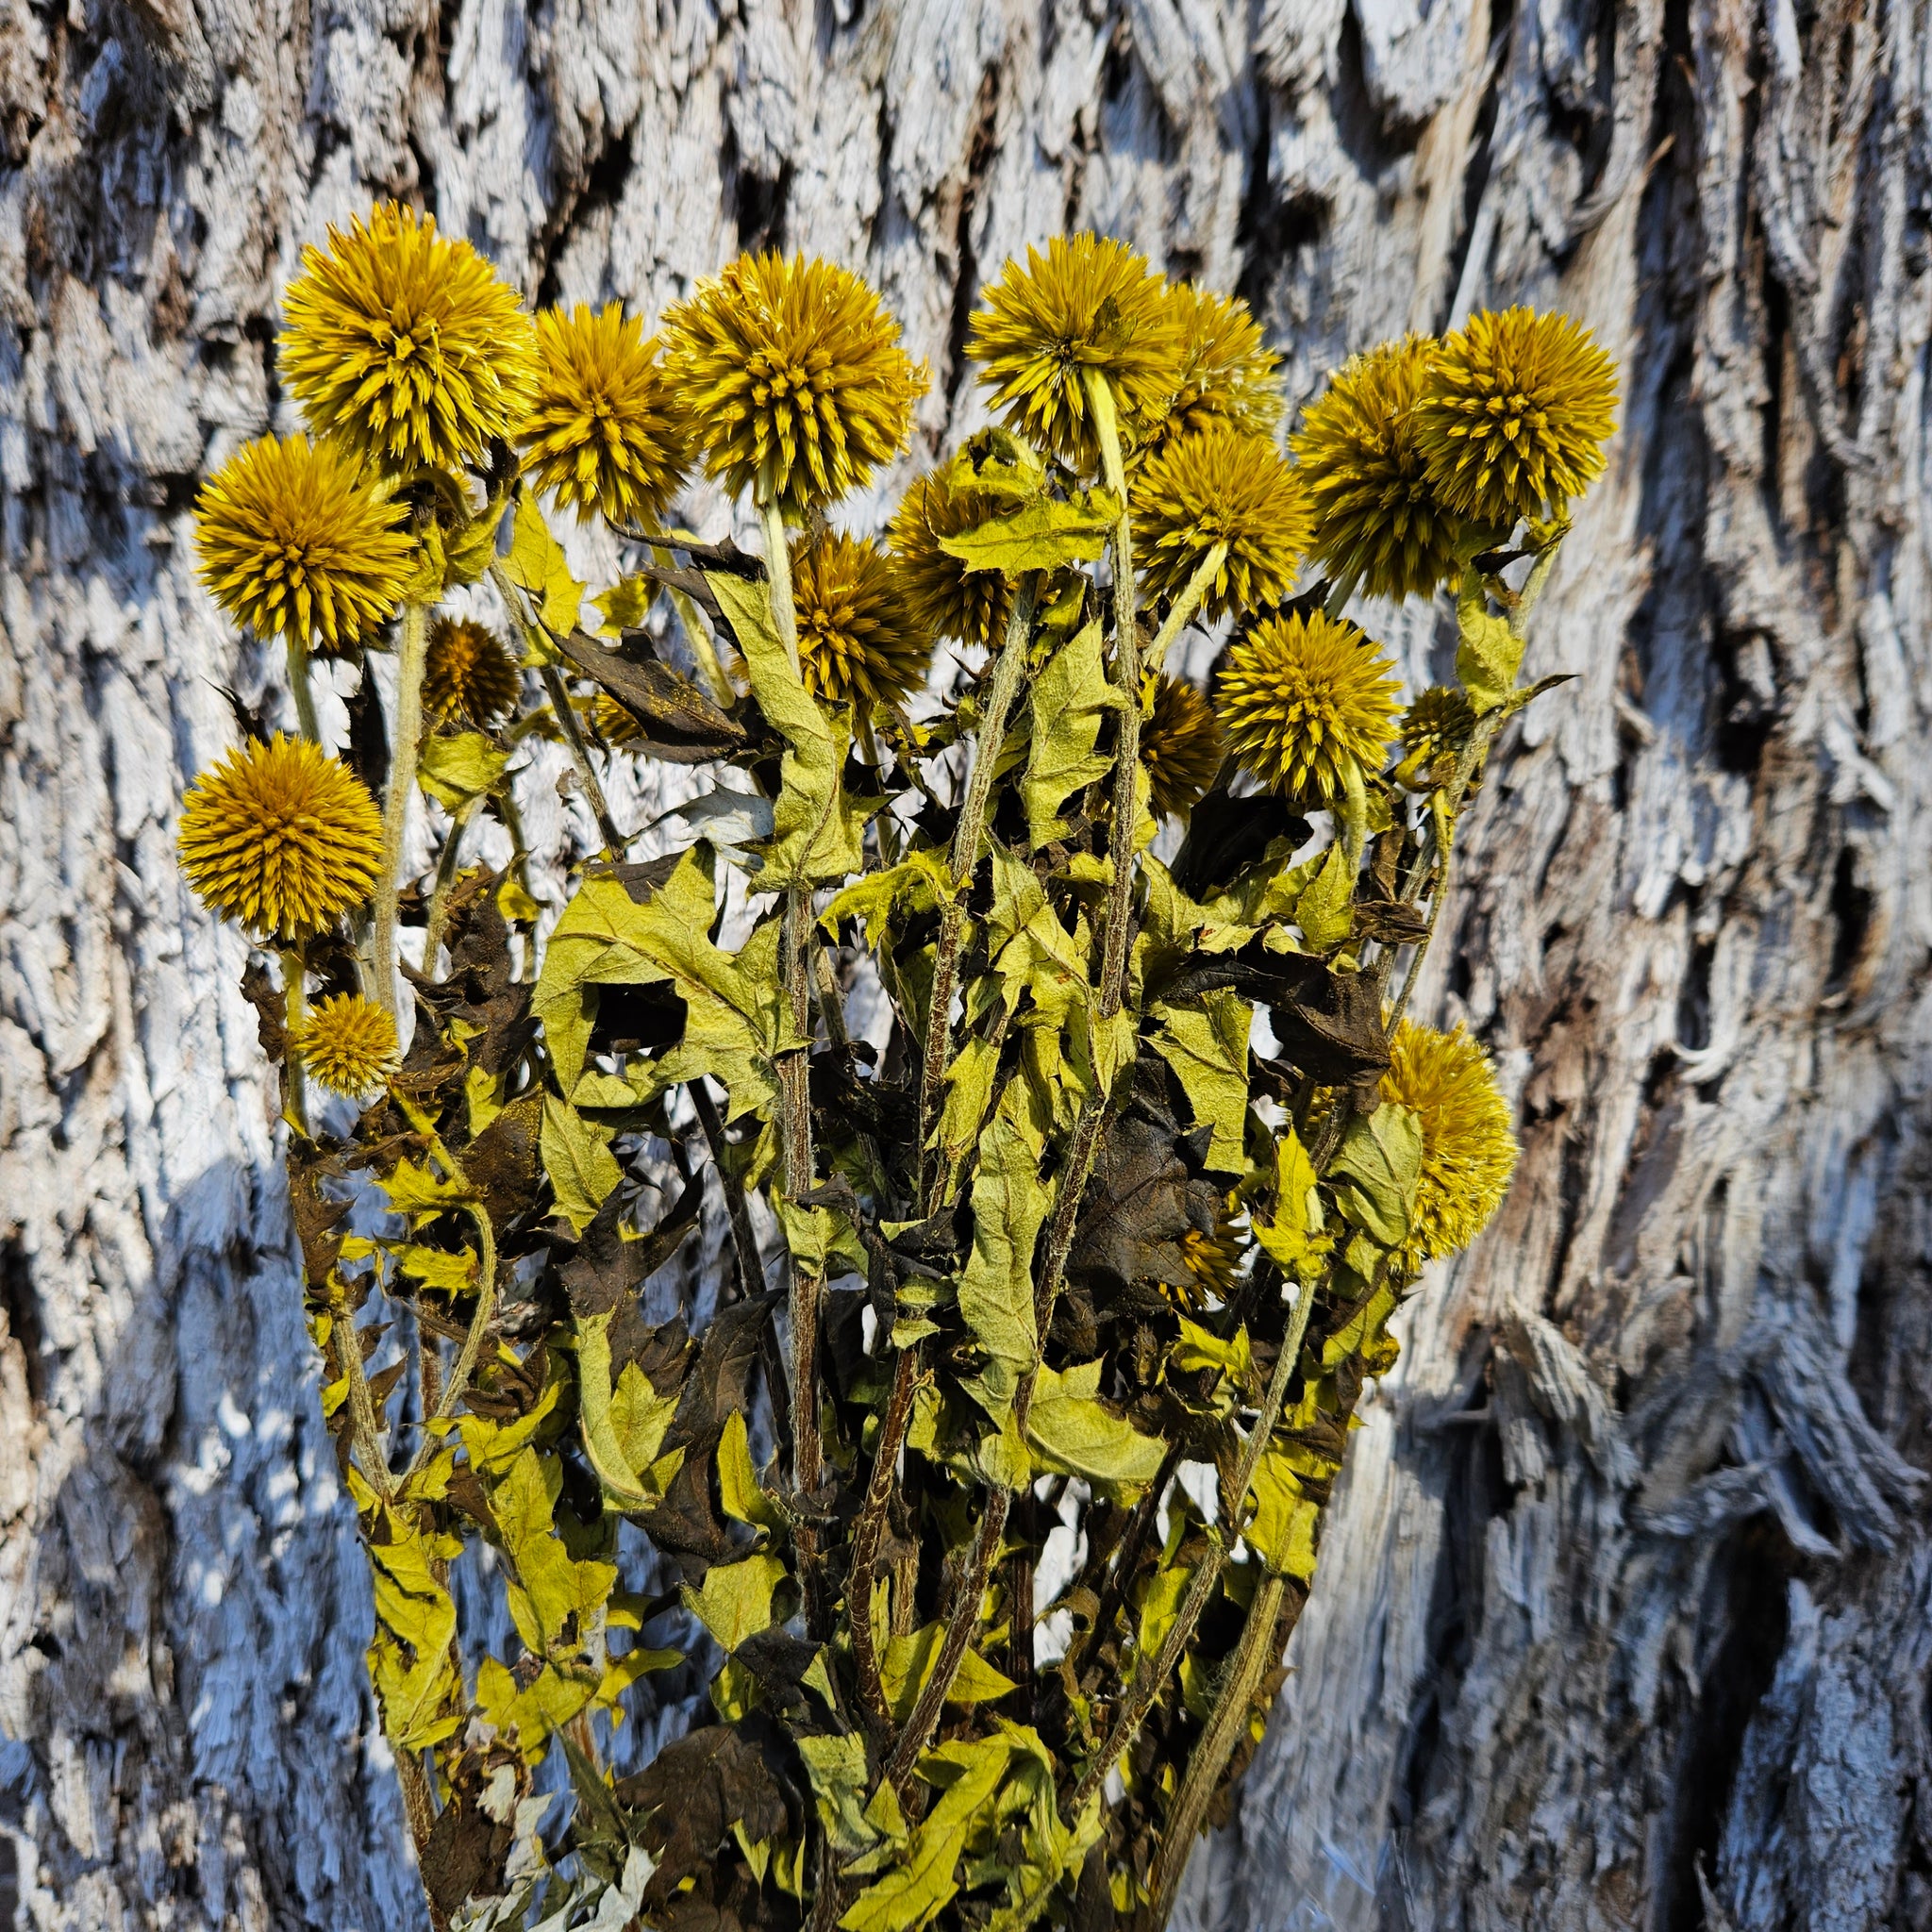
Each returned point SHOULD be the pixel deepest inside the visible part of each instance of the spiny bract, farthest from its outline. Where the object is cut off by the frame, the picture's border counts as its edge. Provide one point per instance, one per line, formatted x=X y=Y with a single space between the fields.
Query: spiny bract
x=606 y=432
x=943 y=597
x=280 y=837
x=1228 y=373
x=1303 y=698
x=1088 y=304
x=793 y=374
x=407 y=345
x=1469 y=1152
x=1221 y=486
x=1378 y=523
x=293 y=543
x=1181 y=746
x=467 y=673
x=854 y=642
x=1515 y=409
x=347 y=1043
x=1440 y=720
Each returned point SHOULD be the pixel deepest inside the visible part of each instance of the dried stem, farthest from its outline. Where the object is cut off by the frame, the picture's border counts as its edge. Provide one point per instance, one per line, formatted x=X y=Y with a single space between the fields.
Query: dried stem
x=778 y=579
x=1186 y=605
x=299 y=686
x=410 y=652
x=869 y=1531
x=750 y=1267
x=445 y=877
x=295 y=1008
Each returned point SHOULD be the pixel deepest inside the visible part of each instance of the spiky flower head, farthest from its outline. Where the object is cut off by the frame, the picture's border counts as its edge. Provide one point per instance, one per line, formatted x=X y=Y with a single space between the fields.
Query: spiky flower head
x=1303 y=699
x=855 y=643
x=1222 y=486
x=1378 y=518
x=1182 y=746
x=612 y=722
x=606 y=432
x=348 y=1045
x=793 y=374
x=1514 y=412
x=1088 y=303
x=1228 y=373
x=293 y=543
x=280 y=837
x=1213 y=1260
x=1438 y=720
x=406 y=345
x=1468 y=1150
x=943 y=598
x=467 y=673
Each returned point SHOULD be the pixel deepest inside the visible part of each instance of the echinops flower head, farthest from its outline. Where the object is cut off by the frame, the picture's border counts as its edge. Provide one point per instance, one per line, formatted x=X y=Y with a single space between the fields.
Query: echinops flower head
x=405 y=345
x=347 y=1044
x=1087 y=304
x=855 y=643
x=793 y=374
x=1181 y=746
x=607 y=433
x=944 y=598
x=1379 y=520
x=293 y=543
x=1228 y=372
x=1514 y=412
x=467 y=673
x=281 y=838
x=1304 y=699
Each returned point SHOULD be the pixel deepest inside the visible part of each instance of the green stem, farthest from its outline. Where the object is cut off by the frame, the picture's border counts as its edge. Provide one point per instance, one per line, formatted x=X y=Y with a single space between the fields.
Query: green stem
x=778 y=576
x=459 y=1383
x=395 y=803
x=299 y=687
x=445 y=878
x=365 y=1431
x=296 y=1009
x=1186 y=605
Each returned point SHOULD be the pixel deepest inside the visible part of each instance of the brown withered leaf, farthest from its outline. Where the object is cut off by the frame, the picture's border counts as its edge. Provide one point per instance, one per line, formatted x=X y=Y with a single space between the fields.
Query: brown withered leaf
x=679 y=722
x=504 y=1165
x=691 y=1795
x=317 y=1217
x=271 y=1011
x=1225 y=835
x=607 y=1269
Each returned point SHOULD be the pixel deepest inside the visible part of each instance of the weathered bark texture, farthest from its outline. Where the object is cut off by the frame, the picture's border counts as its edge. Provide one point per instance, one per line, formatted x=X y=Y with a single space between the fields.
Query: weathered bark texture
x=1626 y=1615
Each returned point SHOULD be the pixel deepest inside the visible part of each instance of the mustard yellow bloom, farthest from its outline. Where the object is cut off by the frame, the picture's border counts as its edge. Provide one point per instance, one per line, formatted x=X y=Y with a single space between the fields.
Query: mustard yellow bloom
x=1377 y=516
x=943 y=598
x=1219 y=486
x=1304 y=698
x=612 y=722
x=856 y=645
x=1469 y=1152
x=281 y=836
x=1515 y=409
x=467 y=673
x=292 y=542
x=792 y=374
x=1213 y=1260
x=1439 y=720
x=407 y=347
x=348 y=1045
x=606 y=432
x=1228 y=373
x=1088 y=303
x=1181 y=746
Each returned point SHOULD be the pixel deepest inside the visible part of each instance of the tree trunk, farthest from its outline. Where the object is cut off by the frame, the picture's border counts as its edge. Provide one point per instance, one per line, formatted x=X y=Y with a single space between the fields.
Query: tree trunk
x=1622 y=1618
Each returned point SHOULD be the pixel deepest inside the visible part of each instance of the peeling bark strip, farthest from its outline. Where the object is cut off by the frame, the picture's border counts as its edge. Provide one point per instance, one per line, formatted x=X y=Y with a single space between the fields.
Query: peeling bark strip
x=1623 y=1620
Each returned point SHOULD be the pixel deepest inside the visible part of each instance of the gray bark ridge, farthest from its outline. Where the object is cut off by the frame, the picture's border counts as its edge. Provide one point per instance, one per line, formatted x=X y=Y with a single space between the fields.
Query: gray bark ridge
x=1621 y=1620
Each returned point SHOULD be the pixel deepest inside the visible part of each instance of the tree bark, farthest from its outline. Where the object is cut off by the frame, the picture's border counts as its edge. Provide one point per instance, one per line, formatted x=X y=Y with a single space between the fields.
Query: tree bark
x=1622 y=1617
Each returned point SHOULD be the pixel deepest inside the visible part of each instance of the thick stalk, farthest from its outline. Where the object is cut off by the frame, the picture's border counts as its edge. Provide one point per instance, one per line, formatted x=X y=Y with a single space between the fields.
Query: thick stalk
x=869 y=1531
x=778 y=576
x=1186 y=605
x=965 y=856
x=419 y=1808
x=795 y=1099
x=295 y=1008
x=299 y=686
x=365 y=1434
x=445 y=878
x=395 y=803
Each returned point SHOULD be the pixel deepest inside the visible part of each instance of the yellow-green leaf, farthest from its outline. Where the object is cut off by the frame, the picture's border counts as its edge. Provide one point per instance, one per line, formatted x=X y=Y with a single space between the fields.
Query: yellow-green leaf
x=1071 y=1432
x=1204 y=1040
x=1282 y=1530
x=907 y=1662
x=1488 y=653
x=735 y=1600
x=1070 y=696
x=1008 y=1205
x=536 y=563
x=1375 y=1172
x=577 y=1157
x=1039 y=535
x=457 y=768
x=739 y=1493
x=1326 y=908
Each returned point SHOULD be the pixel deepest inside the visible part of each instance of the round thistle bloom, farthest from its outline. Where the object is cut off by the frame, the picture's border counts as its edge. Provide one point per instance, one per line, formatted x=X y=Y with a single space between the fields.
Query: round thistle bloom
x=606 y=433
x=407 y=347
x=294 y=543
x=1438 y=720
x=793 y=374
x=1304 y=698
x=467 y=673
x=855 y=644
x=1468 y=1150
x=280 y=837
x=1514 y=411
x=943 y=598
x=612 y=721
x=1212 y=1260
x=348 y=1045
x=1376 y=515
x=1088 y=303
x=1221 y=486
x=1181 y=746
x=1228 y=374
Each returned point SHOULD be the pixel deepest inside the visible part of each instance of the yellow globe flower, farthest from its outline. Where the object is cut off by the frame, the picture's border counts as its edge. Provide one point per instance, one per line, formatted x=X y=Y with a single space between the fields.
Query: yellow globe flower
x=348 y=1045
x=943 y=598
x=1219 y=486
x=1439 y=720
x=1514 y=412
x=1469 y=1152
x=1228 y=373
x=467 y=673
x=1377 y=516
x=855 y=644
x=281 y=836
x=1304 y=698
x=607 y=432
x=612 y=722
x=1181 y=746
x=407 y=347
x=1088 y=303
x=292 y=542
x=1213 y=1261
x=792 y=373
